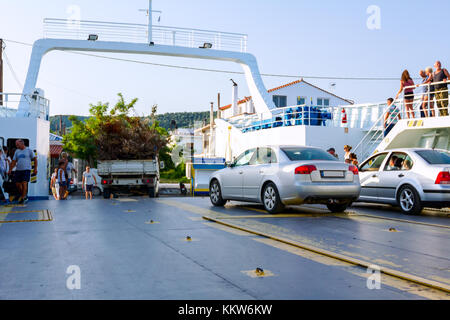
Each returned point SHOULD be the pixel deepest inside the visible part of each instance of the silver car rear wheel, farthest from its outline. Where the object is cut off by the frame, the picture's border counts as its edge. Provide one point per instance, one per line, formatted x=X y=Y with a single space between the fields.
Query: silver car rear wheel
x=271 y=199
x=409 y=200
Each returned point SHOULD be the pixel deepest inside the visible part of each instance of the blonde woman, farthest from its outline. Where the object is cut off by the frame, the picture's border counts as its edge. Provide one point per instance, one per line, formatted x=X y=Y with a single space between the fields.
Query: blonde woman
x=407 y=81
x=347 y=150
x=430 y=89
x=427 y=91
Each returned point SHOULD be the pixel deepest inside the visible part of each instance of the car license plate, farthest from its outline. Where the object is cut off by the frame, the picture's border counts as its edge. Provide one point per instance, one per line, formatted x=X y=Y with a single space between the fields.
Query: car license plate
x=332 y=174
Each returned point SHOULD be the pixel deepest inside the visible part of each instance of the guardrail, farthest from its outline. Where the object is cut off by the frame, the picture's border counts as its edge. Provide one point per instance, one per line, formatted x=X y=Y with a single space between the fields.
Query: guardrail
x=9 y=102
x=350 y=116
x=138 y=33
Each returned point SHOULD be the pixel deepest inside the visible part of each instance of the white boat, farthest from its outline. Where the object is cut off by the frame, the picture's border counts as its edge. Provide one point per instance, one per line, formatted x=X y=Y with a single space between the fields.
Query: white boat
x=25 y=115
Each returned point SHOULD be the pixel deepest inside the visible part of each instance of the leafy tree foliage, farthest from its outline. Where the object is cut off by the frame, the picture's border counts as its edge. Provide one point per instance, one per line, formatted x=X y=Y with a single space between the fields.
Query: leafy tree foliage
x=110 y=133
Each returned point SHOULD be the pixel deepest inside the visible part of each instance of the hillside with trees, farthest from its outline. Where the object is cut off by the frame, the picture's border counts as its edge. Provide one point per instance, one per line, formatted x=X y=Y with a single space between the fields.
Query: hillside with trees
x=182 y=120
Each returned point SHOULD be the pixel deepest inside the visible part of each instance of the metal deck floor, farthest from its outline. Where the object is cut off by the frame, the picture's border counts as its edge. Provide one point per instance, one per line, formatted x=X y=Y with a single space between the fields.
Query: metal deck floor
x=122 y=255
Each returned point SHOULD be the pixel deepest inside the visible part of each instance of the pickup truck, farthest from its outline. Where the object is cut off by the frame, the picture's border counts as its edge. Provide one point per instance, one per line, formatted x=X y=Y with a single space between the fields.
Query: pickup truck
x=119 y=176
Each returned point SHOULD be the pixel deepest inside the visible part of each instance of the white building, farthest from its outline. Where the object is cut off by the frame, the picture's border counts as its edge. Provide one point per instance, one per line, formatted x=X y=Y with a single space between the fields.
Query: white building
x=299 y=92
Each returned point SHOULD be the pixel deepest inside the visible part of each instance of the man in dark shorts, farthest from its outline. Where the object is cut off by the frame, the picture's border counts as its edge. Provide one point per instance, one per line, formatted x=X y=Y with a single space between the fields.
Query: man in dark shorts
x=22 y=162
x=441 y=75
x=88 y=182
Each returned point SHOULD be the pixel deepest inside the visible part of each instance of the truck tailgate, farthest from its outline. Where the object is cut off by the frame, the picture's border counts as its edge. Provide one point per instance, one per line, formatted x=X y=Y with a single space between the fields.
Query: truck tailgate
x=127 y=167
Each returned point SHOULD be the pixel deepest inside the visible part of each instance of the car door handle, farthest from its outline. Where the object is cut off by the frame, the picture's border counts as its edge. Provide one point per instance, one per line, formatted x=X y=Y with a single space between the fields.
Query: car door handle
x=261 y=171
x=374 y=176
x=401 y=175
x=241 y=172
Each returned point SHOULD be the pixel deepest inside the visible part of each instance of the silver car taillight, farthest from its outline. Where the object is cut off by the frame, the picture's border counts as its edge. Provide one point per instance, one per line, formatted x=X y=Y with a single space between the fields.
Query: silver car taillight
x=306 y=169
x=443 y=177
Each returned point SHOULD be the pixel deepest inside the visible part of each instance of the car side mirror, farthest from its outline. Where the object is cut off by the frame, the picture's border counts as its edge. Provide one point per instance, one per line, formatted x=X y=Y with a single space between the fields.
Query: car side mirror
x=229 y=164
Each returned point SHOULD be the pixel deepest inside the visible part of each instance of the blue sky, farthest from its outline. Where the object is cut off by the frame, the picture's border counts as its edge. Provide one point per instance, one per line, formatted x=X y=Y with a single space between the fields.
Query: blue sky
x=319 y=38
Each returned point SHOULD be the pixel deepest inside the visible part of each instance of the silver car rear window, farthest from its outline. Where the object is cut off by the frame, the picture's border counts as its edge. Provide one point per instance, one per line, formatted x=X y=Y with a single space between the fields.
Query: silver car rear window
x=300 y=154
x=435 y=156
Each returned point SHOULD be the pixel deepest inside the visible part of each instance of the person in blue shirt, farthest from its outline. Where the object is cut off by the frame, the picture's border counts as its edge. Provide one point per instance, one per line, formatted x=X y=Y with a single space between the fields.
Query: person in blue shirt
x=391 y=117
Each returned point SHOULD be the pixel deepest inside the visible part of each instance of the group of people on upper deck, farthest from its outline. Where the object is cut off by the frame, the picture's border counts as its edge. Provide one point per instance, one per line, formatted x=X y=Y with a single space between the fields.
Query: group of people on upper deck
x=433 y=87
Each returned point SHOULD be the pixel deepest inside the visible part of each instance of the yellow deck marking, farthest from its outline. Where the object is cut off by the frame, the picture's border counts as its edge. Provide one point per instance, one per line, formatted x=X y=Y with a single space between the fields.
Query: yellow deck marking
x=303 y=253
x=291 y=215
x=227 y=229
x=254 y=274
x=44 y=215
x=195 y=218
x=188 y=207
x=3 y=216
x=387 y=280
x=400 y=220
x=151 y=222
x=365 y=264
x=127 y=200
x=211 y=215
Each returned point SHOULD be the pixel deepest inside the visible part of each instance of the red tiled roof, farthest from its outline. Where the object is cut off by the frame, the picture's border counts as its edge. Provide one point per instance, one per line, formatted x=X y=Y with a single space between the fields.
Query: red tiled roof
x=55 y=150
x=284 y=86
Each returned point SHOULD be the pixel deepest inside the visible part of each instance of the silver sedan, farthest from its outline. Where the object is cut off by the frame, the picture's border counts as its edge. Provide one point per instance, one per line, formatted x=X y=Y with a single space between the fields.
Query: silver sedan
x=410 y=178
x=286 y=175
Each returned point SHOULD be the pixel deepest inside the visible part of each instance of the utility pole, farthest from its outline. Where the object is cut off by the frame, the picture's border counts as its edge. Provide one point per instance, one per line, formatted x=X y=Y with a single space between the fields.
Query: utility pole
x=1 y=72
x=211 y=131
x=218 y=106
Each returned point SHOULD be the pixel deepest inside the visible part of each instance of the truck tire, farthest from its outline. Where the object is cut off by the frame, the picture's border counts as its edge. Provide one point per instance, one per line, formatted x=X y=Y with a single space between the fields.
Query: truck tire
x=151 y=192
x=106 y=193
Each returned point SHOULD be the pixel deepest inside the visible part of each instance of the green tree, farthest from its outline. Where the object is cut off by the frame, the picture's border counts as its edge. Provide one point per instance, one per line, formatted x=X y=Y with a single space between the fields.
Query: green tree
x=110 y=133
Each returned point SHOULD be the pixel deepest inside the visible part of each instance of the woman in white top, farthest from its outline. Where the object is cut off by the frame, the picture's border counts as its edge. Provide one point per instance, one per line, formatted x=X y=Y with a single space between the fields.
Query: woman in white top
x=347 y=150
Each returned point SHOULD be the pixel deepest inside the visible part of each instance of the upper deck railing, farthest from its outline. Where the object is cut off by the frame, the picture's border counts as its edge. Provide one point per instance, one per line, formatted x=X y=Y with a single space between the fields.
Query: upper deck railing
x=429 y=100
x=350 y=116
x=9 y=102
x=138 y=33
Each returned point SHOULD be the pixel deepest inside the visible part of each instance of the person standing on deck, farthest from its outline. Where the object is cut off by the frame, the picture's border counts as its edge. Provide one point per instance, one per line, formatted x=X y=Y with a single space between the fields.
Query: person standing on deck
x=88 y=182
x=407 y=81
x=22 y=162
x=391 y=117
x=441 y=75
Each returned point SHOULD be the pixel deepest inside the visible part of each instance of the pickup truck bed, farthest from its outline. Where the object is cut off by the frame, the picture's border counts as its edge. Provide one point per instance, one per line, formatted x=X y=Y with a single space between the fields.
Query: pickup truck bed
x=129 y=175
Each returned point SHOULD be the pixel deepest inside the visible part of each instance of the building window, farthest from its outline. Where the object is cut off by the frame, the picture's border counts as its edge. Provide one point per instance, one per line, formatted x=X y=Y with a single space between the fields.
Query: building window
x=322 y=102
x=301 y=101
x=280 y=101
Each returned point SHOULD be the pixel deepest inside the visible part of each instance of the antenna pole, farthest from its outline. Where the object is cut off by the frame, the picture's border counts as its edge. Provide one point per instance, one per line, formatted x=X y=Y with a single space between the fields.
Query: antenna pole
x=149 y=21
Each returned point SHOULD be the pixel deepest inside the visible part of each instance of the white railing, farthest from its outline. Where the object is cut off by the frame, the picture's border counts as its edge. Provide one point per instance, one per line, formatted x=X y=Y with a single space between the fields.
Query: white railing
x=428 y=103
x=350 y=116
x=9 y=102
x=138 y=33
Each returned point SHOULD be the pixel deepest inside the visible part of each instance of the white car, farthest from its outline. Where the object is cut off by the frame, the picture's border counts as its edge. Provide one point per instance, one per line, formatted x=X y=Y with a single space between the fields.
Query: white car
x=411 y=178
x=286 y=175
